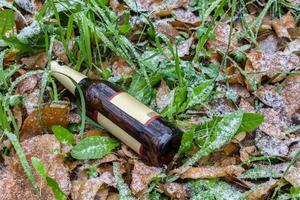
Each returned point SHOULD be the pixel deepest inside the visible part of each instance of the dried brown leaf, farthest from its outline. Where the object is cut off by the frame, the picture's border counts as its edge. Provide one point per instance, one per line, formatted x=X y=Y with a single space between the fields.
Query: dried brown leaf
x=281 y=26
x=291 y=93
x=31 y=100
x=184 y=48
x=53 y=114
x=86 y=190
x=187 y=17
x=269 y=45
x=141 y=176
x=261 y=191
x=213 y=172
x=174 y=190
x=120 y=67
x=163 y=95
x=293 y=175
x=28 y=84
x=60 y=51
x=222 y=36
x=268 y=95
x=271 y=146
x=275 y=123
x=247 y=152
x=15 y=185
x=279 y=61
x=164 y=27
x=38 y=61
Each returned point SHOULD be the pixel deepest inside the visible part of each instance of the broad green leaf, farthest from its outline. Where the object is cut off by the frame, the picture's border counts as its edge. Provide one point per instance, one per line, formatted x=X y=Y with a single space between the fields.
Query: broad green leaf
x=7 y=21
x=250 y=122
x=187 y=141
x=24 y=163
x=205 y=129
x=140 y=89
x=224 y=131
x=200 y=93
x=39 y=166
x=59 y=195
x=213 y=189
x=295 y=192
x=257 y=173
x=62 y=134
x=178 y=102
x=93 y=147
x=124 y=191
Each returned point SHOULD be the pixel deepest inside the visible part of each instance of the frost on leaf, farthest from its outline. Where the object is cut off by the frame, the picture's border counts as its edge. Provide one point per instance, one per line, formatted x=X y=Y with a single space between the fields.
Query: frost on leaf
x=163 y=95
x=275 y=123
x=213 y=172
x=222 y=36
x=261 y=191
x=141 y=176
x=86 y=189
x=174 y=190
x=281 y=26
x=15 y=185
x=271 y=64
x=120 y=67
x=53 y=114
x=187 y=17
x=293 y=175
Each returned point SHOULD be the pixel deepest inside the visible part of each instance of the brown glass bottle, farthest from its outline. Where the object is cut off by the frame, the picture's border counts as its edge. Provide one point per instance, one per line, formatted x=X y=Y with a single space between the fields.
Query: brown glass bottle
x=139 y=127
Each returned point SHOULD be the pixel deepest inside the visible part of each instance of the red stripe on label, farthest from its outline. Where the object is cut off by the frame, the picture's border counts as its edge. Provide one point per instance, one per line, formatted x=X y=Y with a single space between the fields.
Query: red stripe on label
x=151 y=119
x=115 y=94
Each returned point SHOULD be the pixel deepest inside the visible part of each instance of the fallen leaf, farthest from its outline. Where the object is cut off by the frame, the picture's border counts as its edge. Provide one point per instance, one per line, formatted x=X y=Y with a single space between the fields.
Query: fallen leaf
x=291 y=93
x=222 y=36
x=141 y=176
x=187 y=17
x=109 y=179
x=86 y=190
x=294 y=32
x=212 y=172
x=275 y=123
x=271 y=146
x=293 y=47
x=53 y=114
x=246 y=106
x=279 y=61
x=15 y=185
x=31 y=100
x=38 y=61
x=247 y=152
x=30 y=6
x=281 y=26
x=293 y=175
x=163 y=95
x=269 y=45
x=174 y=190
x=128 y=152
x=28 y=84
x=60 y=51
x=268 y=95
x=184 y=48
x=164 y=27
x=120 y=67
x=261 y=191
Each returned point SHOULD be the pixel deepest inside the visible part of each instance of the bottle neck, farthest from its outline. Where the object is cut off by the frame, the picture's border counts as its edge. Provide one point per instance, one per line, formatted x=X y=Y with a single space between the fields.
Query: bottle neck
x=66 y=76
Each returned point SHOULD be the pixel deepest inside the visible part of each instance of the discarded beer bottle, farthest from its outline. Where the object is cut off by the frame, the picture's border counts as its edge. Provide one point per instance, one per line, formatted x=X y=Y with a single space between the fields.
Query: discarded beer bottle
x=139 y=127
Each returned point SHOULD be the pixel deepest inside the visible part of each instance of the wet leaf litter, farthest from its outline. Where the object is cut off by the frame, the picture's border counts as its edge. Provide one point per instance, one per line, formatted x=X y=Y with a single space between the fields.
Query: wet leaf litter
x=225 y=72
